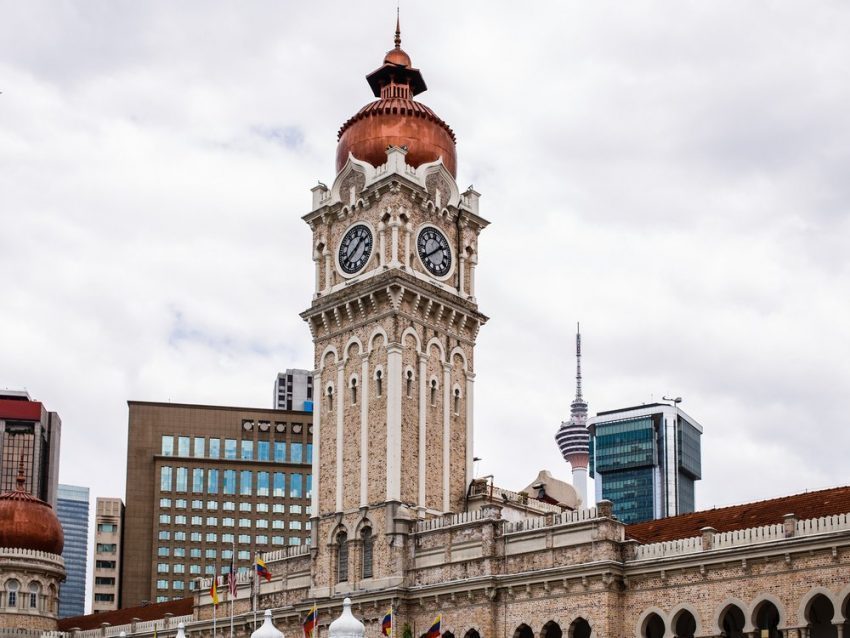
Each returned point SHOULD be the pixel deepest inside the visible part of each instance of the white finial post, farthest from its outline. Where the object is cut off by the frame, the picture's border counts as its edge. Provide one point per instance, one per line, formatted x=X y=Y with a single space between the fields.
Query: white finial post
x=346 y=626
x=267 y=629
x=181 y=631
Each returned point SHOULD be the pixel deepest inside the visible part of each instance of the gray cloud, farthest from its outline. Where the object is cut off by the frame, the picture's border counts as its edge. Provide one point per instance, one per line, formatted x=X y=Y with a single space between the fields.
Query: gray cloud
x=673 y=176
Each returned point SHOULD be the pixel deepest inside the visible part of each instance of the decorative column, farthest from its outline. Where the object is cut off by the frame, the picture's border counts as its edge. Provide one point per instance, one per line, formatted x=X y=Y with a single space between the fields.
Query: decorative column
x=394 y=225
x=447 y=435
x=328 y=271
x=408 y=235
x=394 y=422
x=461 y=265
x=317 y=260
x=470 y=384
x=473 y=261
x=423 y=415
x=382 y=244
x=340 y=397
x=318 y=390
x=364 y=429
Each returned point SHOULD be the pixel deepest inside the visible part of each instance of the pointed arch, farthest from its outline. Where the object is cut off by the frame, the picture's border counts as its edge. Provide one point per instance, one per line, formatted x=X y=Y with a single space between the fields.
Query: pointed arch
x=437 y=166
x=352 y=164
x=580 y=628
x=377 y=332
x=457 y=351
x=678 y=620
x=651 y=624
x=551 y=630
x=433 y=341
x=523 y=631
x=809 y=598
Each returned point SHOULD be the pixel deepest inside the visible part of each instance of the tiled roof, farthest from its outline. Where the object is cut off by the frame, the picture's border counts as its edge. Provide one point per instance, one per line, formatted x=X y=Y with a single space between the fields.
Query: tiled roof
x=155 y=611
x=724 y=519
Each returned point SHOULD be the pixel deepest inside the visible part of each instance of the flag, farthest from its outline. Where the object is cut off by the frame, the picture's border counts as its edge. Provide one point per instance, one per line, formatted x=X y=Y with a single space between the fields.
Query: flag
x=387 y=623
x=310 y=622
x=434 y=631
x=262 y=570
x=231 y=578
x=214 y=591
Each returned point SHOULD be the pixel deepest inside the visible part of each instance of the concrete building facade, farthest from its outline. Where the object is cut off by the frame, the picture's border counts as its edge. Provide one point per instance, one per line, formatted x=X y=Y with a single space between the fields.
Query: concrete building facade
x=30 y=432
x=207 y=484
x=72 y=508
x=293 y=390
x=108 y=552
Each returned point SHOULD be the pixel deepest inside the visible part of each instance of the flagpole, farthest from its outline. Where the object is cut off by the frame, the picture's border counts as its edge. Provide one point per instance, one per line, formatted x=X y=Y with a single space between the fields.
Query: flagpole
x=215 y=604
x=231 y=584
x=256 y=589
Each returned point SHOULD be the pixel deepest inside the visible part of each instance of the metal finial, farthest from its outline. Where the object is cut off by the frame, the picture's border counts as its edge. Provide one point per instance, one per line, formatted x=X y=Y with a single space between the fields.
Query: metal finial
x=397 y=28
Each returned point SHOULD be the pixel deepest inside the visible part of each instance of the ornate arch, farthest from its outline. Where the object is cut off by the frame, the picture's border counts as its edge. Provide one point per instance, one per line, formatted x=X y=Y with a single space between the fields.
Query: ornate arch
x=377 y=332
x=806 y=601
x=353 y=340
x=721 y=609
x=437 y=166
x=410 y=330
x=458 y=351
x=352 y=164
x=433 y=341
x=844 y=601
x=586 y=618
x=335 y=531
x=331 y=349
x=759 y=600
x=472 y=628
x=643 y=619
x=677 y=611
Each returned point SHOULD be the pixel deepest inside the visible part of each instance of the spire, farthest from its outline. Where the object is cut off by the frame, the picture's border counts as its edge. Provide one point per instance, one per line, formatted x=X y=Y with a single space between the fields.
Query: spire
x=578 y=362
x=397 y=28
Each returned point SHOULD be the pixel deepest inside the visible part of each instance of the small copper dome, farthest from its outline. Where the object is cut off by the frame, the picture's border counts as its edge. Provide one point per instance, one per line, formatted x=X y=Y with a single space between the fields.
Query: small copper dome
x=397 y=56
x=396 y=119
x=27 y=522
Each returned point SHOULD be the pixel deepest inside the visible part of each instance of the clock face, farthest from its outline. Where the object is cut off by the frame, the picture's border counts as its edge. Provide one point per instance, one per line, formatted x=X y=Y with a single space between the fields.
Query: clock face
x=355 y=249
x=433 y=248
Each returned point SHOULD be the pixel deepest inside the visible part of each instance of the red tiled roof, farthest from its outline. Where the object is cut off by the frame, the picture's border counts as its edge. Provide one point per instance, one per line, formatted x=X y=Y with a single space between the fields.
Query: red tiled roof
x=724 y=519
x=155 y=611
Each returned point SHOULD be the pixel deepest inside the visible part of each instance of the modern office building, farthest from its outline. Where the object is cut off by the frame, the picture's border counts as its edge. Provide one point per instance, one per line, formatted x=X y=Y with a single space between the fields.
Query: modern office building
x=572 y=437
x=108 y=549
x=29 y=434
x=72 y=508
x=645 y=460
x=204 y=482
x=293 y=390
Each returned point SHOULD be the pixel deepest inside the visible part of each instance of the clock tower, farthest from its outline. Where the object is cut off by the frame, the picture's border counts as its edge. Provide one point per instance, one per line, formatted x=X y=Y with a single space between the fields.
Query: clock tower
x=394 y=321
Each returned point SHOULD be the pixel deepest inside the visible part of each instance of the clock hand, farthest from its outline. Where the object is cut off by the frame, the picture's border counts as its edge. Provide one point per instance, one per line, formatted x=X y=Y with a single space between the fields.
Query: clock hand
x=354 y=246
x=438 y=249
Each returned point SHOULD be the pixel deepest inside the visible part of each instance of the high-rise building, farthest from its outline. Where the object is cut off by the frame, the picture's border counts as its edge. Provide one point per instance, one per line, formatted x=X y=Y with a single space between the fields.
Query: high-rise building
x=108 y=550
x=645 y=459
x=293 y=390
x=29 y=432
x=72 y=508
x=204 y=481
x=572 y=437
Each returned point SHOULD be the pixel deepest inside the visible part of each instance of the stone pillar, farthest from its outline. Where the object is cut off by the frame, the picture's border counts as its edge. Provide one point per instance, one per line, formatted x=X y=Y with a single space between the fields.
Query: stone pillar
x=461 y=265
x=447 y=436
x=328 y=270
x=393 y=411
x=382 y=244
x=790 y=525
x=364 y=429
x=605 y=509
x=423 y=412
x=408 y=235
x=470 y=385
x=707 y=537
x=340 y=399
x=394 y=225
x=317 y=260
x=318 y=393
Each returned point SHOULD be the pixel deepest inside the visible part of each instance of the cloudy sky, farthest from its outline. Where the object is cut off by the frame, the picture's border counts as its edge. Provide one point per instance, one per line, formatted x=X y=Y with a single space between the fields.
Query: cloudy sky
x=676 y=176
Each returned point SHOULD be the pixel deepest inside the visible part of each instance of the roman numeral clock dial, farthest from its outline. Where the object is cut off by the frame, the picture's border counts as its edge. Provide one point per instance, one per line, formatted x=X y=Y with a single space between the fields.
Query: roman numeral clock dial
x=355 y=249
x=434 y=251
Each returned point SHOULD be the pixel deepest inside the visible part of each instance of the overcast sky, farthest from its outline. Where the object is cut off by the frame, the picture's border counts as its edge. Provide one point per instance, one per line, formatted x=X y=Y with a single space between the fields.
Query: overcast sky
x=674 y=175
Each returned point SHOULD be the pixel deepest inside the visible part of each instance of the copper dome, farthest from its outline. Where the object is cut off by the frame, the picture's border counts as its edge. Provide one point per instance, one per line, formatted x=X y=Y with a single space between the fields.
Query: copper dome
x=27 y=522
x=396 y=119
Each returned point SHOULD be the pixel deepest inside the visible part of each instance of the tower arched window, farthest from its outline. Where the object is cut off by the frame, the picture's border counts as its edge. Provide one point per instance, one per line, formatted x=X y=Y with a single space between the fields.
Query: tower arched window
x=379 y=382
x=366 y=536
x=330 y=397
x=457 y=401
x=354 y=391
x=12 y=587
x=409 y=383
x=433 y=392
x=35 y=590
x=342 y=557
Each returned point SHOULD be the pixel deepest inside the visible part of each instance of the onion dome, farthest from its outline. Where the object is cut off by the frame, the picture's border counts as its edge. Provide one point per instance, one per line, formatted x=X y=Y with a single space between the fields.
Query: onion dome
x=27 y=522
x=267 y=629
x=396 y=119
x=346 y=626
